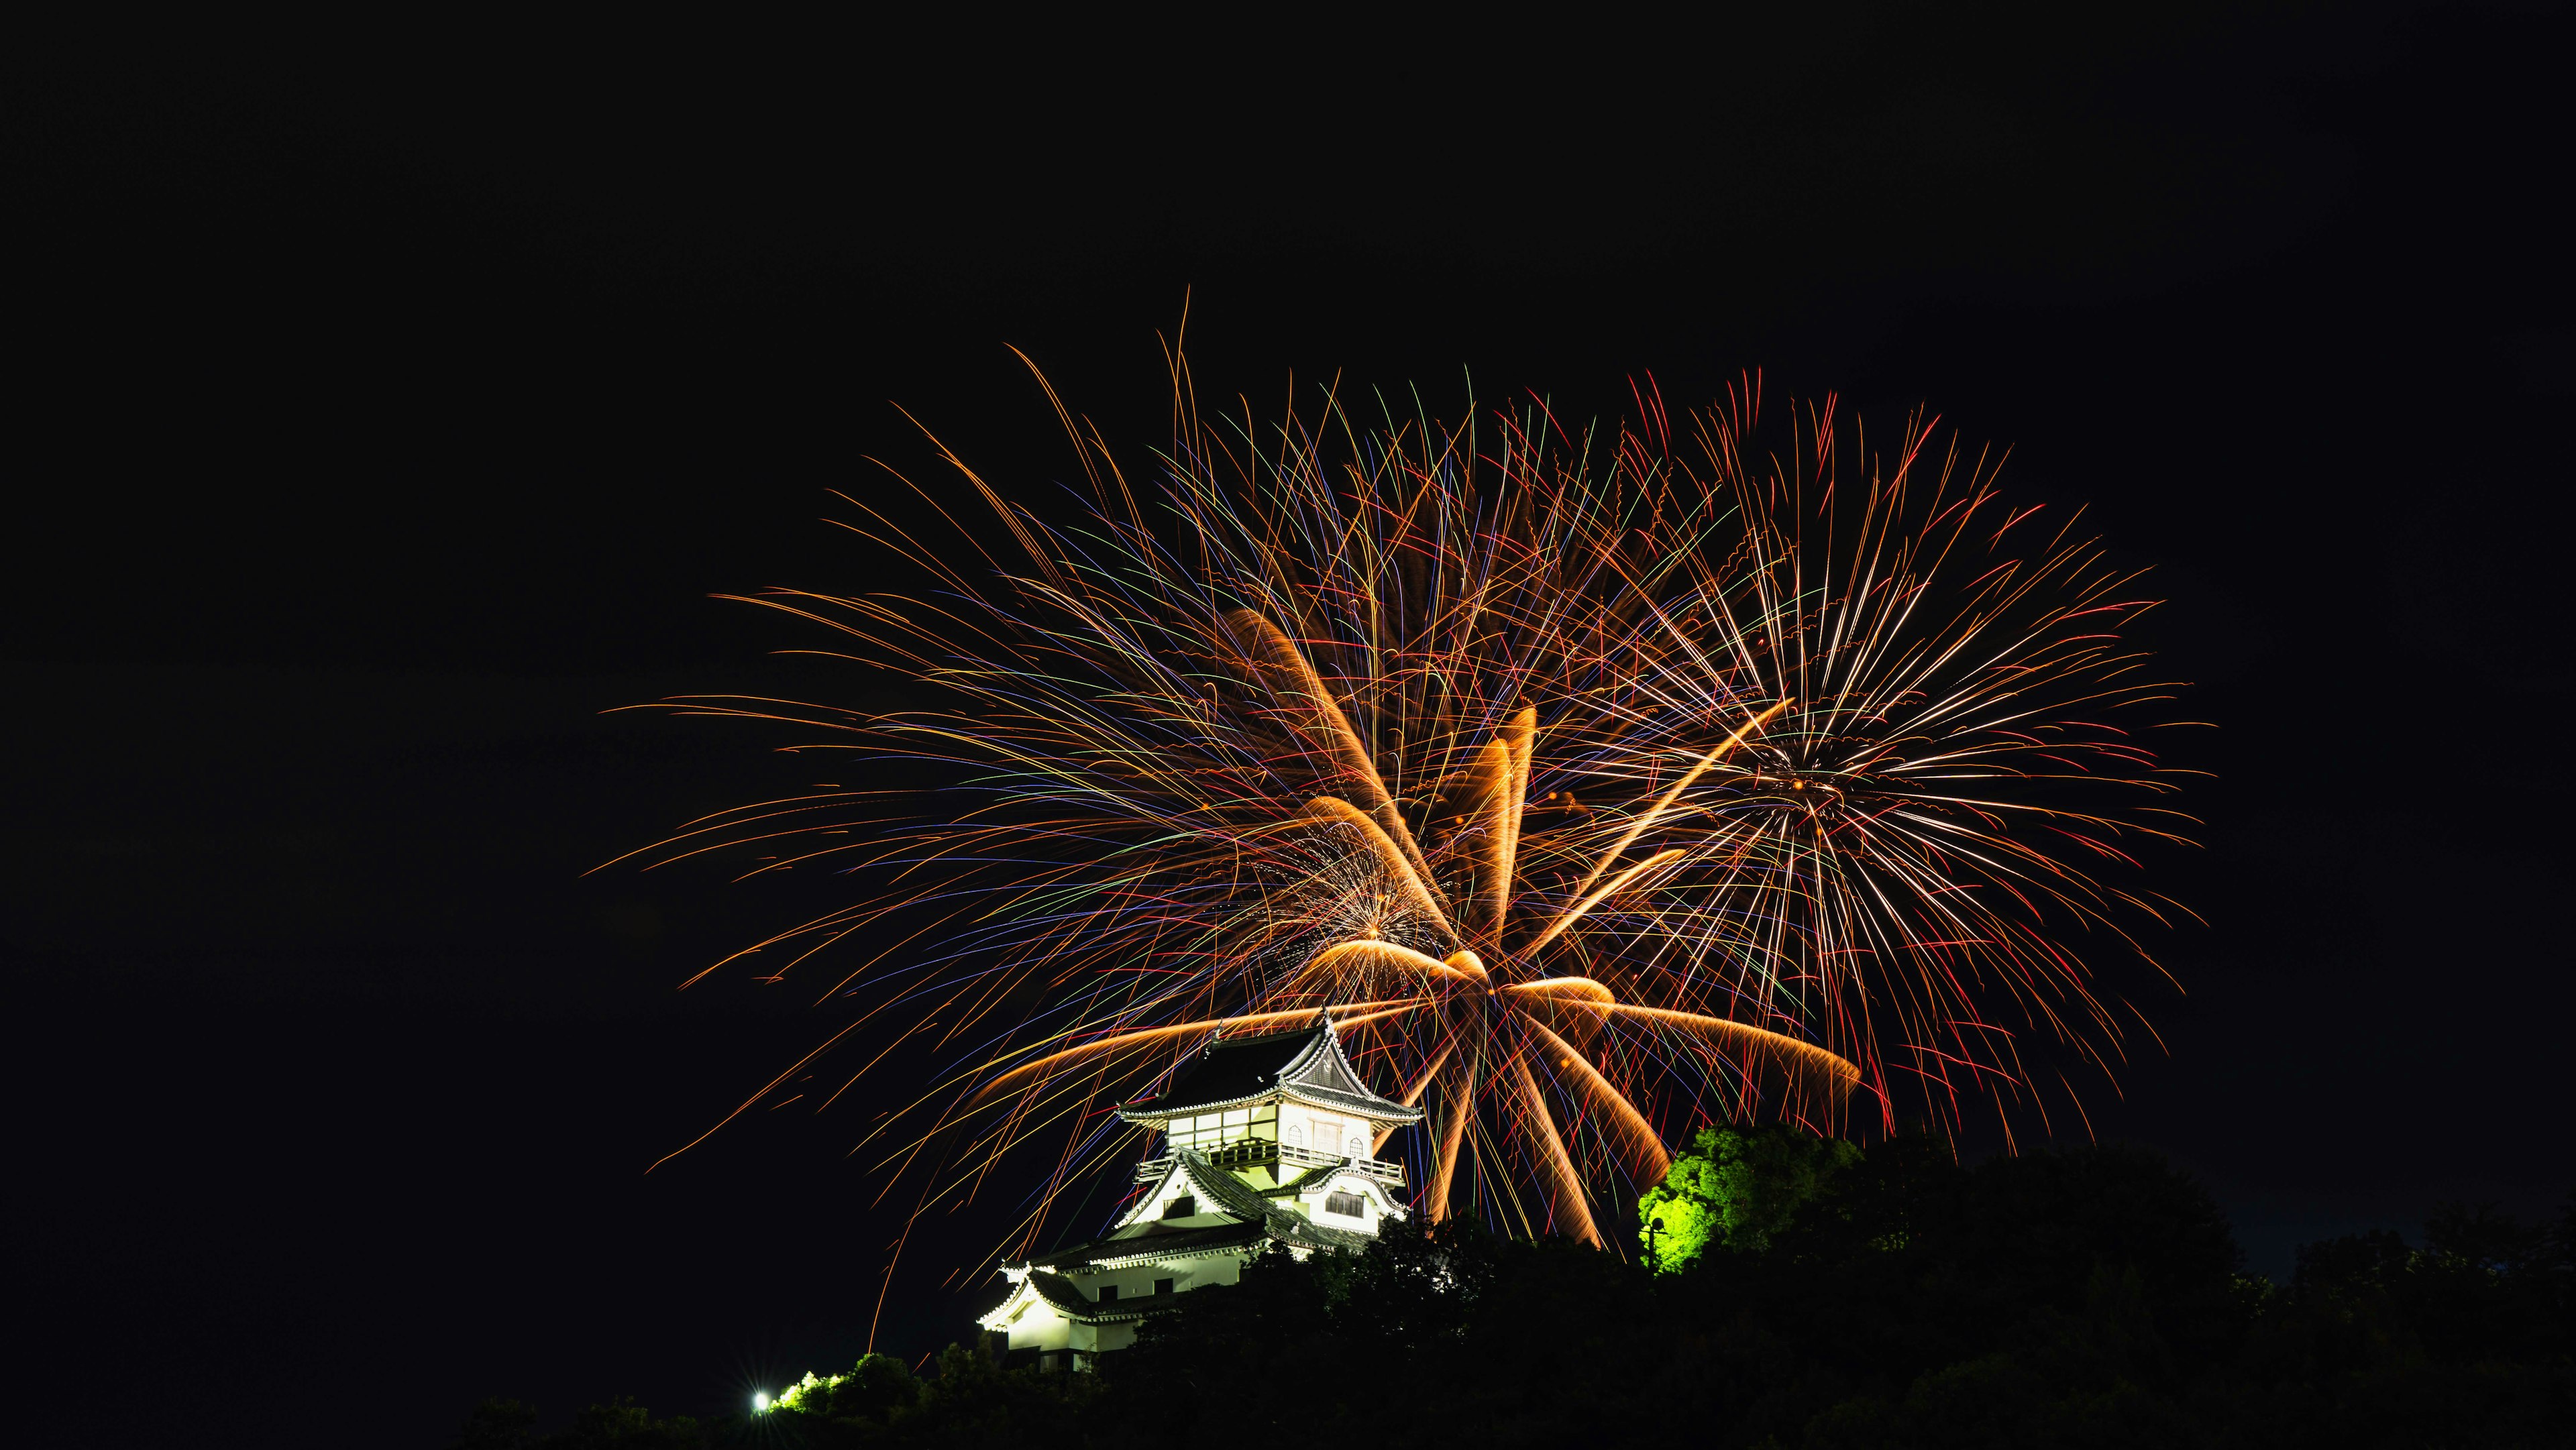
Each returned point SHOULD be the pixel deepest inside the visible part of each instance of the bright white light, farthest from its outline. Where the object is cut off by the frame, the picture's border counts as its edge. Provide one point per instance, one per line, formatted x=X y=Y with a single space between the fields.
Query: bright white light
x=760 y=1402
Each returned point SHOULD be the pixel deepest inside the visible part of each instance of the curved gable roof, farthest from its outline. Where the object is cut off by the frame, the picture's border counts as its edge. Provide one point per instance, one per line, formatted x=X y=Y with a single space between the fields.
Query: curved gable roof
x=1218 y=1192
x=1306 y=1063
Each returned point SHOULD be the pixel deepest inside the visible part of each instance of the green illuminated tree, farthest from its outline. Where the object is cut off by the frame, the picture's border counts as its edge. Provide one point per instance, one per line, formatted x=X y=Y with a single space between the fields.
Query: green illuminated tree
x=1734 y=1190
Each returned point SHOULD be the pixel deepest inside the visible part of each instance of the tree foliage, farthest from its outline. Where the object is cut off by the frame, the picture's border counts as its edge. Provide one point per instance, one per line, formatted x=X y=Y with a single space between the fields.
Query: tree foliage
x=1840 y=1300
x=1734 y=1190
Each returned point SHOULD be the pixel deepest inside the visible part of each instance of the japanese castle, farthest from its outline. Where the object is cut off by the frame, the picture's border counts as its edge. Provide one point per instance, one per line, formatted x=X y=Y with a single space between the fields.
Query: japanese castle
x=1266 y=1139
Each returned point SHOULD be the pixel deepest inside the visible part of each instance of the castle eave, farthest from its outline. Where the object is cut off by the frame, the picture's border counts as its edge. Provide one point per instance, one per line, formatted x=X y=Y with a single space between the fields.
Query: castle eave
x=1113 y=1253
x=1304 y=1065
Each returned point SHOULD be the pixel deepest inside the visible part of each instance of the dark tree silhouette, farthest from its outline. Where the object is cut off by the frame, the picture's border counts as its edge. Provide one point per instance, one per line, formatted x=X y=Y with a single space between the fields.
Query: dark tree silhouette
x=1840 y=1299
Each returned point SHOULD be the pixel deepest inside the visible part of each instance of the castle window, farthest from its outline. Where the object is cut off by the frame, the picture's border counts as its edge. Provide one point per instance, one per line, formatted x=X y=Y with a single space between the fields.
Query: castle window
x=1348 y=1205
x=1108 y=1293
x=1162 y=1286
x=1181 y=1207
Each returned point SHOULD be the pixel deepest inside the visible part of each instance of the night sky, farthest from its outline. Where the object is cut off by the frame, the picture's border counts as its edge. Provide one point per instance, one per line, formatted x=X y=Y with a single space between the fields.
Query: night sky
x=383 y=407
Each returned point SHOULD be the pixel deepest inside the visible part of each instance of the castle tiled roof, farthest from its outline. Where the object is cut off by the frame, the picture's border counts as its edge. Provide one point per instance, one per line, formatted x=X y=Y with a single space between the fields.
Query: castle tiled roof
x=1227 y=1194
x=1067 y=1300
x=1218 y=1192
x=1157 y=1241
x=1304 y=1063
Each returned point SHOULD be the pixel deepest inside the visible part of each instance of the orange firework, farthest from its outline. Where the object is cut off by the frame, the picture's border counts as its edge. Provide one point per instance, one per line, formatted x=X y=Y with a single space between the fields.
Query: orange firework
x=1592 y=791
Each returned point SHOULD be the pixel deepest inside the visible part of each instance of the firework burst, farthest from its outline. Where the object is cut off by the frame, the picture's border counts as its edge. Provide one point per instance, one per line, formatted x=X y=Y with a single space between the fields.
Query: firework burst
x=1593 y=784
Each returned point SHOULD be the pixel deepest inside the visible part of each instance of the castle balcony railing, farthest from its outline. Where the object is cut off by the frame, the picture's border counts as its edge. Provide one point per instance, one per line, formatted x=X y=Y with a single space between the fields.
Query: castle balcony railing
x=1262 y=1153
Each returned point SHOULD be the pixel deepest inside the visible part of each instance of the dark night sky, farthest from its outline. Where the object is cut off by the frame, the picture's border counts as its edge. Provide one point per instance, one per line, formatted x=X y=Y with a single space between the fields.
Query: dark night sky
x=383 y=406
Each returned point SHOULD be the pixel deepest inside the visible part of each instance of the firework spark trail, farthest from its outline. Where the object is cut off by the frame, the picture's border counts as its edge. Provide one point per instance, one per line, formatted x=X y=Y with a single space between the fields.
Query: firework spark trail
x=1586 y=782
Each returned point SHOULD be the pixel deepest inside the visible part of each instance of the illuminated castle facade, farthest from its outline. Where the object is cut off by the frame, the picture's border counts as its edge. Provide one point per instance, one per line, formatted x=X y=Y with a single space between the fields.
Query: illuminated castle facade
x=1265 y=1139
